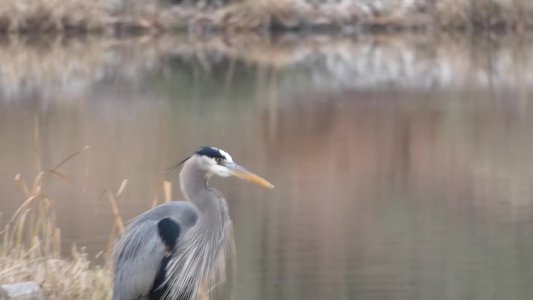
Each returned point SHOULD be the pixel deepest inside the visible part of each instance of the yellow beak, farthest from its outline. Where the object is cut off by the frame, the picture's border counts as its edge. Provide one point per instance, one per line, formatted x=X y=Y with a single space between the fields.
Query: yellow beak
x=242 y=173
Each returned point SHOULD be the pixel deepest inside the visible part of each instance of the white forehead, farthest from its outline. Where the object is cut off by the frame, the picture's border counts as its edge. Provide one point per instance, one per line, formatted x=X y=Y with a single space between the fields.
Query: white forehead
x=225 y=154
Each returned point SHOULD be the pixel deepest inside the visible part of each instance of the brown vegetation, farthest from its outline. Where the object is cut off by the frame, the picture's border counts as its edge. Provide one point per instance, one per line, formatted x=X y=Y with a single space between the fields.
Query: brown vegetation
x=112 y=16
x=51 y=15
x=30 y=246
x=30 y=239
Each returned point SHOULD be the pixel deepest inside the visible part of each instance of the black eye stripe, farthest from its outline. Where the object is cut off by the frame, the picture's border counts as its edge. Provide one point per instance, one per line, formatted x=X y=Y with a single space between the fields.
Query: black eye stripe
x=210 y=152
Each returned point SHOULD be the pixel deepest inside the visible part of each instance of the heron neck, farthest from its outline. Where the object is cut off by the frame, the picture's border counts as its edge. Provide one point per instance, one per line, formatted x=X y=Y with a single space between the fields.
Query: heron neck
x=193 y=181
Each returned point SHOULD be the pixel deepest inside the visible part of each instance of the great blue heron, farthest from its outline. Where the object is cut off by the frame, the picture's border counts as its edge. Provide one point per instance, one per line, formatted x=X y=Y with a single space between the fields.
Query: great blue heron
x=177 y=248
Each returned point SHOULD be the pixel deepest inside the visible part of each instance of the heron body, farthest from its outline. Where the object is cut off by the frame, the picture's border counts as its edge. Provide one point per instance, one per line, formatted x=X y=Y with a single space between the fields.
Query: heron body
x=174 y=249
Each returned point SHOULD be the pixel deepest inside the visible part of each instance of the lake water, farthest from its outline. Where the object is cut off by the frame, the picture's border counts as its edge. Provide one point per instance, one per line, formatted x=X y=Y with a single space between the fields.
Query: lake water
x=403 y=164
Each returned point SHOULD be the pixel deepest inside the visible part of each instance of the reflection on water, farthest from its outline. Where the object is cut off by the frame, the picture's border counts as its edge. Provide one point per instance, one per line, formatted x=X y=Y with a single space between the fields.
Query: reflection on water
x=402 y=165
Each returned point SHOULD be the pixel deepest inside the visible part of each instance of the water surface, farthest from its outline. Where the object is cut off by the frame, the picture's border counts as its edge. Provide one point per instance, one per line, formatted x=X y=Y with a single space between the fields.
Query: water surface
x=403 y=164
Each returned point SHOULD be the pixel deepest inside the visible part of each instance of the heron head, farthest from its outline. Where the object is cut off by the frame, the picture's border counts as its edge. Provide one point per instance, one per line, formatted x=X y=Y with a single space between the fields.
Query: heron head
x=218 y=162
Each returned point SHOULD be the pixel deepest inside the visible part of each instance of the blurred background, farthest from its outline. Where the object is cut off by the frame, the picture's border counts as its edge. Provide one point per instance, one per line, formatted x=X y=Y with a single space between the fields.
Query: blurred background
x=403 y=162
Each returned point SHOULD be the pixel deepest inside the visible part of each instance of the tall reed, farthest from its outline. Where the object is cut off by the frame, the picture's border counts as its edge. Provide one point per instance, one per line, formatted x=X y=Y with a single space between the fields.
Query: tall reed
x=30 y=243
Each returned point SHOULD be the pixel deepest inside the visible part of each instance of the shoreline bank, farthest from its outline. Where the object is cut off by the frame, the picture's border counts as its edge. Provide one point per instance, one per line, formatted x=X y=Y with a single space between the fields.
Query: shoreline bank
x=77 y=16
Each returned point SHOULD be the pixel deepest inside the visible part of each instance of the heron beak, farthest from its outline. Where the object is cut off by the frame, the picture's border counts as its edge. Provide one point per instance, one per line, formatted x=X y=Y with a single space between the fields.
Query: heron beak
x=242 y=173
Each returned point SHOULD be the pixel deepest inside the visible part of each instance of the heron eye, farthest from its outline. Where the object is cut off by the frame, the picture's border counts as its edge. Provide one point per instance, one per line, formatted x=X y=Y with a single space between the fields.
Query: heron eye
x=218 y=160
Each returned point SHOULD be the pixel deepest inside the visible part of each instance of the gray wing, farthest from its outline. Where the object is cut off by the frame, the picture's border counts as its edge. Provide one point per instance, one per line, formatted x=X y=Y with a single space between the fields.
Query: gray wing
x=138 y=254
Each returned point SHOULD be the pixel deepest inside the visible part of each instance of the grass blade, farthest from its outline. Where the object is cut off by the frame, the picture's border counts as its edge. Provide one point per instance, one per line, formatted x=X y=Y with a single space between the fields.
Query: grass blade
x=167 y=189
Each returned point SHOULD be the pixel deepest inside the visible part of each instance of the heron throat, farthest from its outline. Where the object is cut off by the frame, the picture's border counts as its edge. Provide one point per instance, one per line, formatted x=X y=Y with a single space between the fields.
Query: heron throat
x=202 y=253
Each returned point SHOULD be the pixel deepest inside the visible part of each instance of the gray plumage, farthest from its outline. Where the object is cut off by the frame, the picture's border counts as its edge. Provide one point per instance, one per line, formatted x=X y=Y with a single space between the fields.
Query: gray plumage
x=138 y=254
x=205 y=238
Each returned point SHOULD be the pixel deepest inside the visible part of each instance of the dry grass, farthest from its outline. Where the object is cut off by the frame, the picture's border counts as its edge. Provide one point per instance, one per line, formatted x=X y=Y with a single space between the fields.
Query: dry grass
x=30 y=241
x=30 y=245
x=512 y=14
x=52 y=15
x=31 y=250
x=37 y=16
x=72 y=278
x=106 y=15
